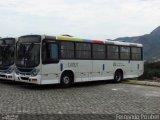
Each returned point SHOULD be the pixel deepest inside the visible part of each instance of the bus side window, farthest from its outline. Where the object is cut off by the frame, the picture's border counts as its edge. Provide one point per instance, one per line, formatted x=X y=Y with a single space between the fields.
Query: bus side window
x=44 y=52
x=49 y=53
x=113 y=52
x=53 y=51
x=136 y=53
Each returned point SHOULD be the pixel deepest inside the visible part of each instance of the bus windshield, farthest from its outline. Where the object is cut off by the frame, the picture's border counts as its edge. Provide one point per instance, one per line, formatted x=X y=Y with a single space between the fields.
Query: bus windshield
x=6 y=54
x=27 y=53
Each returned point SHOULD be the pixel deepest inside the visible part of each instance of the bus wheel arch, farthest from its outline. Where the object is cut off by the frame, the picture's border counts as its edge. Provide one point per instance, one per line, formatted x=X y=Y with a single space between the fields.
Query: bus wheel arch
x=118 y=75
x=67 y=78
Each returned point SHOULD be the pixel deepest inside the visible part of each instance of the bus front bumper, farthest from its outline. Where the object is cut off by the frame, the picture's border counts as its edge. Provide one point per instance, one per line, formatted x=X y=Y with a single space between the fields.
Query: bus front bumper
x=28 y=78
x=7 y=76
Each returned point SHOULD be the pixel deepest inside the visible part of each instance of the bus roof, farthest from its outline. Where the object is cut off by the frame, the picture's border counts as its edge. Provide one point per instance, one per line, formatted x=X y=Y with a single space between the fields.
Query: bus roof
x=7 y=40
x=67 y=38
x=98 y=41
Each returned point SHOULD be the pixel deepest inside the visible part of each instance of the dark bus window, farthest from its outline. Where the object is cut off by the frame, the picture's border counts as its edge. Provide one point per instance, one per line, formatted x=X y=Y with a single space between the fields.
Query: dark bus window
x=83 y=50
x=136 y=53
x=112 y=52
x=98 y=51
x=53 y=51
x=49 y=52
x=124 y=53
x=67 y=50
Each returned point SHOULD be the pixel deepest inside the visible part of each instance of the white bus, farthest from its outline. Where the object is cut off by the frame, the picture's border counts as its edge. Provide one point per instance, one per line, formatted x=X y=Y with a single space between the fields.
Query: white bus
x=7 y=51
x=42 y=59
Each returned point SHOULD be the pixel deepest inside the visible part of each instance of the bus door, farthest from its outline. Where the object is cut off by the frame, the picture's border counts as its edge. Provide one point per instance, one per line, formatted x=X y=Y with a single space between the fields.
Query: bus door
x=83 y=56
x=137 y=62
x=50 y=62
x=99 y=62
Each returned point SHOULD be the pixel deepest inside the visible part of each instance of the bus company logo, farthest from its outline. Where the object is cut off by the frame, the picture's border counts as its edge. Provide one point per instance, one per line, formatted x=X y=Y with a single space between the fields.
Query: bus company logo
x=118 y=64
x=72 y=64
x=114 y=63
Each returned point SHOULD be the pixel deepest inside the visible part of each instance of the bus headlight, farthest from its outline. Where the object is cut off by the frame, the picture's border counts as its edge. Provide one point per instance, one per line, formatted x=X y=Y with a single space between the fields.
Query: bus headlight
x=17 y=71
x=35 y=72
x=10 y=70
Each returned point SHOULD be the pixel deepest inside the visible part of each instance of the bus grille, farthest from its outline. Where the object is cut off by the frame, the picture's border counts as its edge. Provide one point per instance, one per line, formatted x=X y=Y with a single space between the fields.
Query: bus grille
x=24 y=78
x=2 y=76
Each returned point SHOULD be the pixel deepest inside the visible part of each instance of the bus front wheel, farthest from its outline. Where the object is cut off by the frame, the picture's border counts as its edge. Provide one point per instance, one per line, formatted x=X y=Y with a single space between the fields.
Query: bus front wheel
x=66 y=80
x=118 y=76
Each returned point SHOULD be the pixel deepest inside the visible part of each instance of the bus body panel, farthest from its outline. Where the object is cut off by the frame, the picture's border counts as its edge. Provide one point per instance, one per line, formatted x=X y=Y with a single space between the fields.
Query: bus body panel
x=83 y=69
x=137 y=68
x=83 y=72
x=50 y=73
x=101 y=70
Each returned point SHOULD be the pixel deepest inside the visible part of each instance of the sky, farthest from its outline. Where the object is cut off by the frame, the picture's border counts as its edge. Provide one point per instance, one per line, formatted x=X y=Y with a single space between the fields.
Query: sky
x=89 y=19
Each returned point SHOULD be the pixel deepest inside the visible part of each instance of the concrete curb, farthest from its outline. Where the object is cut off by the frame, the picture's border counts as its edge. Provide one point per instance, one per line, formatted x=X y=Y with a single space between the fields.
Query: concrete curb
x=147 y=83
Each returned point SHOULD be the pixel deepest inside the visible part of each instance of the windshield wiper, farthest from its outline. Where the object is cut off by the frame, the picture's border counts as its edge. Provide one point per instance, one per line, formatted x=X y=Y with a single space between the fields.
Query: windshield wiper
x=29 y=49
x=28 y=53
x=2 y=55
x=1 y=61
x=1 y=52
x=8 y=55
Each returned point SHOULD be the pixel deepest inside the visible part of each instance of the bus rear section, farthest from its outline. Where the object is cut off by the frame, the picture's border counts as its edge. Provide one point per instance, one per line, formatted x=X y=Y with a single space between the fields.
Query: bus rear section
x=7 y=57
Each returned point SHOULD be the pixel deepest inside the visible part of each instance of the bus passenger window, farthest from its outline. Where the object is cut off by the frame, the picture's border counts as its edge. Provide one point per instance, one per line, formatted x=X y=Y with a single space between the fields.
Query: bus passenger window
x=124 y=53
x=53 y=51
x=49 y=52
x=83 y=51
x=67 y=50
x=136 y=53
x=113 y=52
x=98 y=51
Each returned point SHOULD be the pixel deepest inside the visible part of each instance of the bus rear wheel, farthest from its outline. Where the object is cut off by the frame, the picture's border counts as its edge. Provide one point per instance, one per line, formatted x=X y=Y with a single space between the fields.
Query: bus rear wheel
x=118 y=76
x=66 y=80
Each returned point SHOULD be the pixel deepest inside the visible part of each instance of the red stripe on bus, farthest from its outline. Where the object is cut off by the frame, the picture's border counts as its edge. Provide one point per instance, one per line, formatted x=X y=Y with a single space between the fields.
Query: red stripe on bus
x=98 y=41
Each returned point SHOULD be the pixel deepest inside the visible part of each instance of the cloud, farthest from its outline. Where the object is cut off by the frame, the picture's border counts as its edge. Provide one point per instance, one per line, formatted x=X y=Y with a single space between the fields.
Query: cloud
x=91 y=18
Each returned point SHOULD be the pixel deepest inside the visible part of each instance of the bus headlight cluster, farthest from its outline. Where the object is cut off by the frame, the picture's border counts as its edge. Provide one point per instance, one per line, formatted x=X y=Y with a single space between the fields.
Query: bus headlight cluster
x=17 y=71
x=35 y=72
x=10 y=70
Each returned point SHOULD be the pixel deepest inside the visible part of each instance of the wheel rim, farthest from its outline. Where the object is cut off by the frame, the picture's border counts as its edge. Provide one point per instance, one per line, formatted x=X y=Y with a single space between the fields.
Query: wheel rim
x=66 y=80
x=118 y=76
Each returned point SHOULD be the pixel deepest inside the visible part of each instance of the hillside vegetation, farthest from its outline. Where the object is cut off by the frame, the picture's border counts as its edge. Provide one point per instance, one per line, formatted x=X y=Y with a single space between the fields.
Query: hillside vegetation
x=151 y=43
x=151 y=71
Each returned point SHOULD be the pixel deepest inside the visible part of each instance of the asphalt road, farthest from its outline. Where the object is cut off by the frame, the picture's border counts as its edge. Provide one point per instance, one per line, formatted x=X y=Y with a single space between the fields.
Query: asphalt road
x=85 y=98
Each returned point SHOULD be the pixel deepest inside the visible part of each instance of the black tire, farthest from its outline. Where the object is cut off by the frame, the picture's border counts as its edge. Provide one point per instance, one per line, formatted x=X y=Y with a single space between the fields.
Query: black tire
x=118 y=76
x=66 y=80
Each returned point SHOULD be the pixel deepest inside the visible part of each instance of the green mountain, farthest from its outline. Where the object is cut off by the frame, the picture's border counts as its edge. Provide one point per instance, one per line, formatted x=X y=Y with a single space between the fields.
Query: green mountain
x=151 y=43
